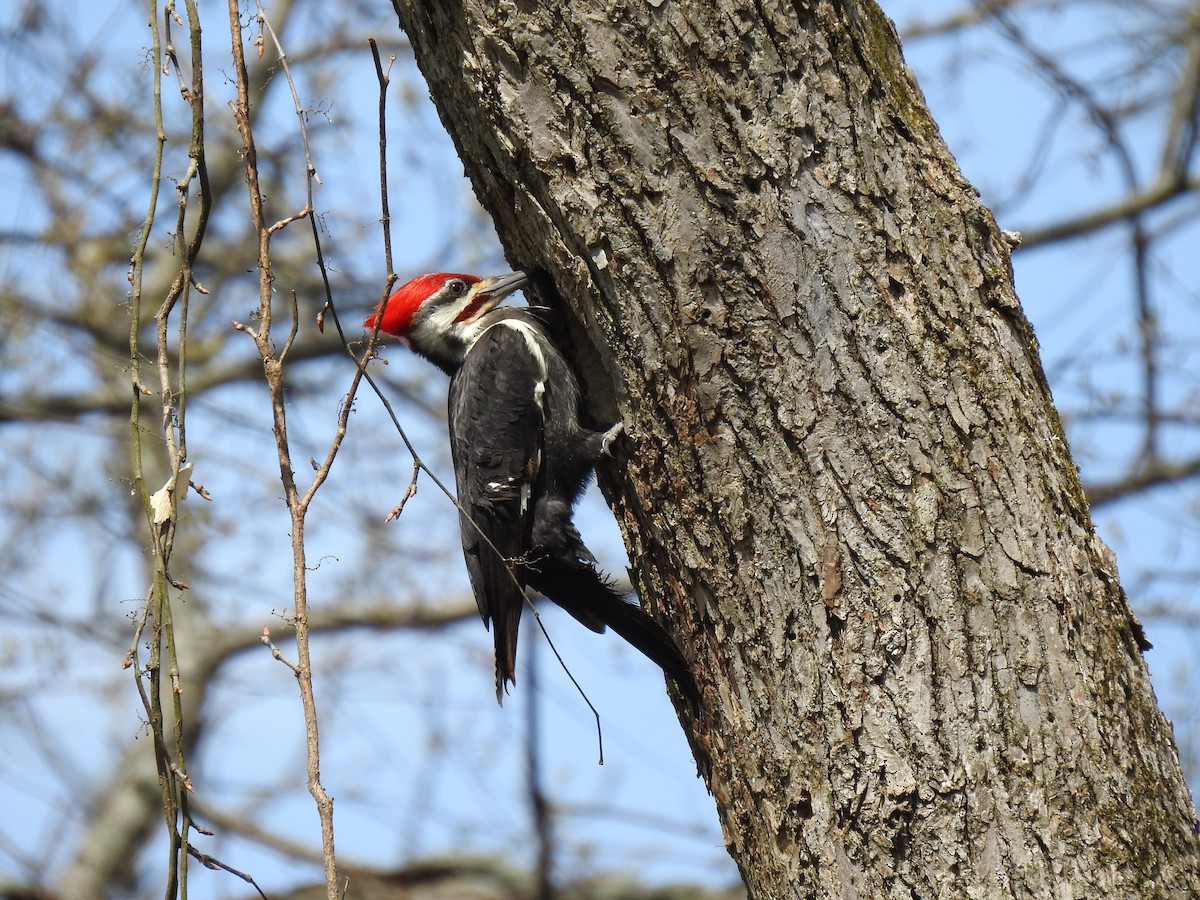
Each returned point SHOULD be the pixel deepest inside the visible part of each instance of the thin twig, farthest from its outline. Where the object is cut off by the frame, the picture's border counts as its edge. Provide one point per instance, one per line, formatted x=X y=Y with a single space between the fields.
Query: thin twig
x=277 y=653
x=273 y=368
x=211 y=862
x=162 y=511
x=582 y=693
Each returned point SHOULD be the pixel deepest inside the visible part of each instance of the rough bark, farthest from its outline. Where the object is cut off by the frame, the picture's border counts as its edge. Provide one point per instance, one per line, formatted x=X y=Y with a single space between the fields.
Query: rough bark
x=845 y=487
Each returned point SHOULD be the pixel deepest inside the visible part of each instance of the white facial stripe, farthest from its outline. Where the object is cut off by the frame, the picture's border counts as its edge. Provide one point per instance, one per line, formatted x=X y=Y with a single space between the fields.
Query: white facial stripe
x=442 y=319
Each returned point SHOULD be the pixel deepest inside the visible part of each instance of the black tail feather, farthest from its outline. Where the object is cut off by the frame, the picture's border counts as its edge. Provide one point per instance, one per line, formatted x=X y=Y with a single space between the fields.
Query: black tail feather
x=504 y=633
x=582 y=591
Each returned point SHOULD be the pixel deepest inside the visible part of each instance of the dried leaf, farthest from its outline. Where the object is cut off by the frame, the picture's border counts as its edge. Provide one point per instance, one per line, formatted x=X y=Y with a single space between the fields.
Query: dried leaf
x=160 y=502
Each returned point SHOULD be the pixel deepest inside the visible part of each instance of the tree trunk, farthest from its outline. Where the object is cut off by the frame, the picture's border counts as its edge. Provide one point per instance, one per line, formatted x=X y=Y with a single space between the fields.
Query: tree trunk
x=845 y=486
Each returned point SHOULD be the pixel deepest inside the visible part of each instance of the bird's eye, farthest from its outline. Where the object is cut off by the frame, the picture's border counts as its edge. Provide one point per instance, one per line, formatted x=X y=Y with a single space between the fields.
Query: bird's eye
x=457 y=286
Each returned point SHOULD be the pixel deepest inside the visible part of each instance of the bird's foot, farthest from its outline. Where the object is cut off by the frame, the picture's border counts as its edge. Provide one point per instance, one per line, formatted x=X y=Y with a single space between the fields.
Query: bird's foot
x=606 y=441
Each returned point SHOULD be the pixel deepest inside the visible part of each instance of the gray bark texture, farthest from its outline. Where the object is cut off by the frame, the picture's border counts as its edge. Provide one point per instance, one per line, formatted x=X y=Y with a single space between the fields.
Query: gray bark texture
x=845 y=486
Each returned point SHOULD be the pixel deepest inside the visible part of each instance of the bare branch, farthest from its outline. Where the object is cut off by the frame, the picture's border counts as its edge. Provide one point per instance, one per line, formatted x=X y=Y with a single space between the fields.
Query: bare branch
x=1128 y=207
x=1155 y=474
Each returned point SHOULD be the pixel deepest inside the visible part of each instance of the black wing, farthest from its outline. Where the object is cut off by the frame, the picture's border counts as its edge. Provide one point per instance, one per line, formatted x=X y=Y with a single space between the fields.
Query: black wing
x=496 y=437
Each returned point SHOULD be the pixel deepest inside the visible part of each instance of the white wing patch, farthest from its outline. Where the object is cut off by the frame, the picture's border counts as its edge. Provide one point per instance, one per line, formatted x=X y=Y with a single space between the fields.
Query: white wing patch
x=530 y=334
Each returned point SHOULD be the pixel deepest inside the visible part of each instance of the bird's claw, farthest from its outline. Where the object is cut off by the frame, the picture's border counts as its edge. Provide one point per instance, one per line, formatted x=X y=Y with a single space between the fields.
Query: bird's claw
x=609 y=437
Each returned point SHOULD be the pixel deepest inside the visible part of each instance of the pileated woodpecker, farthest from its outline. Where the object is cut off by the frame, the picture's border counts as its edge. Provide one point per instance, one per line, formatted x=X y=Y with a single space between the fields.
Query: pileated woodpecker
x=521 y=460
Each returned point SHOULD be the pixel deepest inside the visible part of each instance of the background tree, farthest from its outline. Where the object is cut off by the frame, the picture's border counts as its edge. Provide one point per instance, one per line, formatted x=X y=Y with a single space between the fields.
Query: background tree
x=1111 y=92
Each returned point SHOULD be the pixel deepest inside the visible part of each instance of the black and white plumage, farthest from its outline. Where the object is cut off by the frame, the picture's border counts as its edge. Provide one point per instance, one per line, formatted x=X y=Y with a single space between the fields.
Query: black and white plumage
x=521 y=461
